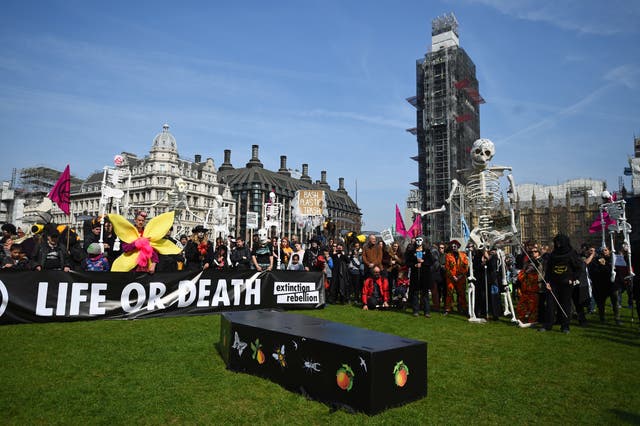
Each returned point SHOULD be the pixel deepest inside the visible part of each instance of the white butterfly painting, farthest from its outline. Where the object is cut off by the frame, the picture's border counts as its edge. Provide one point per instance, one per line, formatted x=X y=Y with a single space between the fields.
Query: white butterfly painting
x=239 y=345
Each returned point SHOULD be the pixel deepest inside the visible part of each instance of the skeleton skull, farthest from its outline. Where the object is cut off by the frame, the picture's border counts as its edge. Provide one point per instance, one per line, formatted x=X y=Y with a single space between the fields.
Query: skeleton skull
x=482 y=152
x=181 y=185
x=262 y=235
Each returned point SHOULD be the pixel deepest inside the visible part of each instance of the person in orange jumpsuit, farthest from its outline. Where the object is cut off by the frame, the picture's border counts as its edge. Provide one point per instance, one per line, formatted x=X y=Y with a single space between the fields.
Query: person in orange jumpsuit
x=456 y=267
x=529 y=278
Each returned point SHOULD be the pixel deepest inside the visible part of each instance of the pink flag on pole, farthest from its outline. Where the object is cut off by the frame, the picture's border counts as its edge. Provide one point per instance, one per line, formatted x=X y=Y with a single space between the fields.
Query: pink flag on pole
x=400 y=228
x=416 y=228
x=596 y=226
x=60 y=193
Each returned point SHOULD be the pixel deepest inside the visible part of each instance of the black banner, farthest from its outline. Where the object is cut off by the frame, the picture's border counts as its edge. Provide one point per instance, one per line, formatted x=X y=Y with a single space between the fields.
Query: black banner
x=56 y=296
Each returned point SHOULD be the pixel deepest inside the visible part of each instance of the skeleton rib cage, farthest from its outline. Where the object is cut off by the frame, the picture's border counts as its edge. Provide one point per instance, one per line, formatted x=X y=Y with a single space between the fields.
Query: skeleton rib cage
x=482 y=191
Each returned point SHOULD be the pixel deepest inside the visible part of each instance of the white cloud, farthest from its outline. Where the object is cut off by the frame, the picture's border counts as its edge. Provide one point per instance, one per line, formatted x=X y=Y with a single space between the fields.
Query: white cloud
x=627 y=75
x=370 y=119
x=582 y=16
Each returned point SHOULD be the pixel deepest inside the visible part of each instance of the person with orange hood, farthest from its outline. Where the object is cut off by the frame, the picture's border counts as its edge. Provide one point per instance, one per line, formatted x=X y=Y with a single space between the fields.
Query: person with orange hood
x=456 y=266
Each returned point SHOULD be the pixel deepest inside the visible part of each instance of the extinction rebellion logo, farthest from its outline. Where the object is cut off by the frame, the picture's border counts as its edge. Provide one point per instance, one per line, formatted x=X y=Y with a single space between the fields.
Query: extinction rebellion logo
x=4 y=298
x=293 y=293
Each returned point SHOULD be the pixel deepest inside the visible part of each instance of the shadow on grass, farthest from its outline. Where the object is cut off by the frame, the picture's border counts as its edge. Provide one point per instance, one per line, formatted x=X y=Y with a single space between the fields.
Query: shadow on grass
x=625 y=416
x=625 y=334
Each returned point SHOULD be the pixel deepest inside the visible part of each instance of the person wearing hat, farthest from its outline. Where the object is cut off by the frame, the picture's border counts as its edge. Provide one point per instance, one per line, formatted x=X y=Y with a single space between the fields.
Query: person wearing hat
x=456 y=267
x=95 y=260
x=94 y=235
x=199 y=251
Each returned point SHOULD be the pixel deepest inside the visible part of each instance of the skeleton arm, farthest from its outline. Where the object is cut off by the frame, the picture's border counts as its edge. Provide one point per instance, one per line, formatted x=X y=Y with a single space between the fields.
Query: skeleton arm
x=442 y=208
x=428 y=212
x=454 y=188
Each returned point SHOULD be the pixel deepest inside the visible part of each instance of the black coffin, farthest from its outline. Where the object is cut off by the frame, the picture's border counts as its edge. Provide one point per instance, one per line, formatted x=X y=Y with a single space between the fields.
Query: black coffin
x=335 y=363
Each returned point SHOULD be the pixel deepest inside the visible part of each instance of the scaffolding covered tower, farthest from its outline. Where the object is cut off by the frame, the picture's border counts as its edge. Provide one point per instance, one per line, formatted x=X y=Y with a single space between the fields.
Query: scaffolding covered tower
x=447 y=123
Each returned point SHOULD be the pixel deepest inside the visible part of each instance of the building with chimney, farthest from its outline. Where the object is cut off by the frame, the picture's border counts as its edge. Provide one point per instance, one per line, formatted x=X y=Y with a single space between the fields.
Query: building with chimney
x=250 y=187
x=159 y=181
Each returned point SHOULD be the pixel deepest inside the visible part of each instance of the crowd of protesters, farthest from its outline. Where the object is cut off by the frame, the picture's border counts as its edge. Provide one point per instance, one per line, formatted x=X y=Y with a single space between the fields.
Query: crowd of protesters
x=548 y=285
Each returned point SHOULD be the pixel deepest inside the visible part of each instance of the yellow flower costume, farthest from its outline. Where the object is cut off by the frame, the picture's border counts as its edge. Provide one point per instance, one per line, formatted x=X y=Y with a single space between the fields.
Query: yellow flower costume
x=151 y=239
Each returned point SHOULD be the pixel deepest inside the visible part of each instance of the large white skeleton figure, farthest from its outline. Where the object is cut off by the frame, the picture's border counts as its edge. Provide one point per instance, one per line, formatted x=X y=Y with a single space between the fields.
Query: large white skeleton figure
x=273 y=217
x=482 y=192
x=273 y=213
x=617 y=213
x=219 y=217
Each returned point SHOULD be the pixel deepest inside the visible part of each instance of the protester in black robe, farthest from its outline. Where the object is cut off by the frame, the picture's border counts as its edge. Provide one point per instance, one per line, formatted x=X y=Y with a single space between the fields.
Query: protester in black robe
x=563 y=270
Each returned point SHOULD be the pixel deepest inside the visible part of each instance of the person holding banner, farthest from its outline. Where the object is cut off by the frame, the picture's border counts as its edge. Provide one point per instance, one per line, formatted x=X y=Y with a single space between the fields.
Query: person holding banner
x=262 y=254
x=51 y=255
x=285 y=252
x=240 y=255
x=16 y=261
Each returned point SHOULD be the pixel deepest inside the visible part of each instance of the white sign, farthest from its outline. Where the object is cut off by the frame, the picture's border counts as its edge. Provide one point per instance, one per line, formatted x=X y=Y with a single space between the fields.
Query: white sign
x=387 y=236
x=252 y=220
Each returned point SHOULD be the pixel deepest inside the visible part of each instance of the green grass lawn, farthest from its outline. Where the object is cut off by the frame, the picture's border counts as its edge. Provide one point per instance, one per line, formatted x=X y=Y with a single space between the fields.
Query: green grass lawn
x=168 y=371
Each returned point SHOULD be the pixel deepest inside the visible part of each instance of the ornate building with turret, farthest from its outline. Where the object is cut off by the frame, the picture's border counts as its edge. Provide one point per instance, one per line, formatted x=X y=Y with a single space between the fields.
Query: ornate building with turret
x=156 y=183
x=198 y=191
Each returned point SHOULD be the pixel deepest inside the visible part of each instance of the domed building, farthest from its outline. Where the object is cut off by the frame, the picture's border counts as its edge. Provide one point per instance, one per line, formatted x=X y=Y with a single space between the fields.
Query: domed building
x=159 y=182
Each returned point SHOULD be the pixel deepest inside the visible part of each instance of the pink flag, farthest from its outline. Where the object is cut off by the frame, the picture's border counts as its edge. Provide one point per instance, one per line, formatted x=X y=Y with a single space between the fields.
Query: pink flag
x=400 y=228
x=416 y=228
x=60 y=193
x=596 y=226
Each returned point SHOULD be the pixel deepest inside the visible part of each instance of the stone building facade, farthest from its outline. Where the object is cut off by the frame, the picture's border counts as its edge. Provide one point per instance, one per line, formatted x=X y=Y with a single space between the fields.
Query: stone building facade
x=156 y=183
x=251 y=185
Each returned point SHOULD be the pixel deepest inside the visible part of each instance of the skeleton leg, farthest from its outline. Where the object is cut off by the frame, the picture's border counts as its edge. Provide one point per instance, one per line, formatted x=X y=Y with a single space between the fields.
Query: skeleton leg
x=613 y=266
x=505 y=285
x=506 y=304
x=471 y=296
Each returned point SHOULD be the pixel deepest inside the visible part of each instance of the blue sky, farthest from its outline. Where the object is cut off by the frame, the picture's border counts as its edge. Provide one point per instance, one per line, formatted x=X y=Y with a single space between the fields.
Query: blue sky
x=323 y=82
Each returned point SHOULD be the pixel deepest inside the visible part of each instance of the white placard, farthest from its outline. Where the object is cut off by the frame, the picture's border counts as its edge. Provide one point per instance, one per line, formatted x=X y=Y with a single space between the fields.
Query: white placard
x=252 y=220
x=387 y=236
